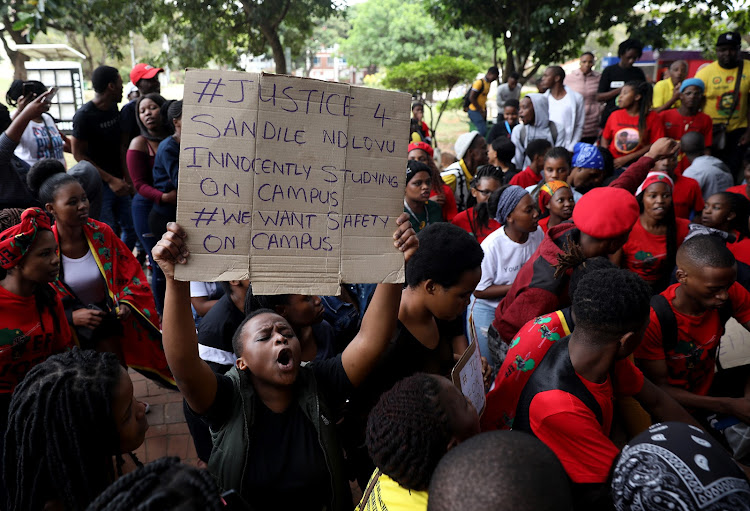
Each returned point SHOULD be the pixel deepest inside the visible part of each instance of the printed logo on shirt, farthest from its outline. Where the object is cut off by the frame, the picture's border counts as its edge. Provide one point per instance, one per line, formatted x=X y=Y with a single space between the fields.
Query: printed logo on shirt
x=716 y=80
x=627 y=139
x=724 y=103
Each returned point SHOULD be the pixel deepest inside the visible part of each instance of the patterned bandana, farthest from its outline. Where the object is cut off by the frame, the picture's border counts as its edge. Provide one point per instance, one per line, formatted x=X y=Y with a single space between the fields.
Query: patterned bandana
x=655 y=177
x=16 y=241
x=677 y=466
x=547 y=191
x=587 y=156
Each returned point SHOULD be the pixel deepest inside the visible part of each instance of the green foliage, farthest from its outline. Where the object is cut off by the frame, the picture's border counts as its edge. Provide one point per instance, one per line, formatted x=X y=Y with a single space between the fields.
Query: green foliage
x=386 y=33
x=451 y=104
x=435 y=73
x=534 y=32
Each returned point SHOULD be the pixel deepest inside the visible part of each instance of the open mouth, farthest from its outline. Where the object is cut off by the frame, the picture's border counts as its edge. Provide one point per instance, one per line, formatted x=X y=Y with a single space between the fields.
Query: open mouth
x=285 y=360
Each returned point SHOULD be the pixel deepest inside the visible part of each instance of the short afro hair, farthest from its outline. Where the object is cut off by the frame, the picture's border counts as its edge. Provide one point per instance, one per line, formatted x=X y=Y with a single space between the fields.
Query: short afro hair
x=538 y=147
x=102 y=77
x=409 y=430
x=630 y=44
x=702 y=251
x=589 y=265
x=445 y=253
x=484 y=473
x=504 y=148
x=611 y=302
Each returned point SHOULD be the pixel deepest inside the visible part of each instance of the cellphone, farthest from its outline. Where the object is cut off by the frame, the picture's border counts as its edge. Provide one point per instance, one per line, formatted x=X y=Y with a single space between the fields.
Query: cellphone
x=53 y=92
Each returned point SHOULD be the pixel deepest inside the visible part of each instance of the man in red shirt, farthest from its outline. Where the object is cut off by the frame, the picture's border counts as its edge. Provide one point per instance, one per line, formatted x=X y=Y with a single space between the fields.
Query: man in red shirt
x=706 y=293
x=568 y=403
x=532 y=174
x=688 y=117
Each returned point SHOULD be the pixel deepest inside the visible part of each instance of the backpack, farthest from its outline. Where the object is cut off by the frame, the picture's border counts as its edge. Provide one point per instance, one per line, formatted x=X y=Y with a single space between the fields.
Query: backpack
x=668 y=321
x=467 y=96
x=552 y=129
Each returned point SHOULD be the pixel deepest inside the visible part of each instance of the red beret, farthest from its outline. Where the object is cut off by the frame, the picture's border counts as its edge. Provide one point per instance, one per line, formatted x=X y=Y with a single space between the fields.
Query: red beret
x=421 y=145
x=606 y=212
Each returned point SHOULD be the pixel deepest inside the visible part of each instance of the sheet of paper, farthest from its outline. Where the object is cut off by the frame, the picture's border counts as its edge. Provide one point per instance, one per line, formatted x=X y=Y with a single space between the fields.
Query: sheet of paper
x=467 y=376
x=290 y=182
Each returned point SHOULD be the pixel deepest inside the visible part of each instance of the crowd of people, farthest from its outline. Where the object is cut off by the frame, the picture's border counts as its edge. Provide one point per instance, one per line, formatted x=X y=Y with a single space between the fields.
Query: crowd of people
x=593 y=244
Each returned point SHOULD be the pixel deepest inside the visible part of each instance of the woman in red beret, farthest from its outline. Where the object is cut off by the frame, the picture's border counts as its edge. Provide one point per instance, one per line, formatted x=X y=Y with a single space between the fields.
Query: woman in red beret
x=441 y=192
x=32 y=323
x=651 y=248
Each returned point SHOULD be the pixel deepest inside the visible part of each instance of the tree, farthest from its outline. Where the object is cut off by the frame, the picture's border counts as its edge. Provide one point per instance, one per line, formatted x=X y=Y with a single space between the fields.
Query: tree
x=533 y=32
x=435 y=73
x=390 y=32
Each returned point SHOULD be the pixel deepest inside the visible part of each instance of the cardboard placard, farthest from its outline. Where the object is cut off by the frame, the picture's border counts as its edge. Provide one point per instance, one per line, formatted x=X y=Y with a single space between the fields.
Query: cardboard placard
x=290 y=182
x=467 y=376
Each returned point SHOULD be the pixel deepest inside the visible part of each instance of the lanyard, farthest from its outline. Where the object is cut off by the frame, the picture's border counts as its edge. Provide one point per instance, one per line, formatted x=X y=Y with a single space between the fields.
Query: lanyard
x=412 y=213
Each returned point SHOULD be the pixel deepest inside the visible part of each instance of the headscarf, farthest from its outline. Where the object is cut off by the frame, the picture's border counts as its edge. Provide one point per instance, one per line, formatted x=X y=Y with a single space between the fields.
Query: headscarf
x=509 y=199
x=587 y=156
x=548 y=190
x=655 y=177
x=424 y=146
x=680 y=467
x=16 y=241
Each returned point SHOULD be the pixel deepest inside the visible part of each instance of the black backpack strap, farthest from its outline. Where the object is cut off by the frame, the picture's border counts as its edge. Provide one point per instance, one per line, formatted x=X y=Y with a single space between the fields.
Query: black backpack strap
x=667 y=321
x=555 y=372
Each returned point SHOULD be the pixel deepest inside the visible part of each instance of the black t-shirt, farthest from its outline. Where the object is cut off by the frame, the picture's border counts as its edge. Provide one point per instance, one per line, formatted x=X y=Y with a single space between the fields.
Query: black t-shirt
x=101 y=129
x=286 y=467
x=614 y=77
x=215 y=334
x=128 y=123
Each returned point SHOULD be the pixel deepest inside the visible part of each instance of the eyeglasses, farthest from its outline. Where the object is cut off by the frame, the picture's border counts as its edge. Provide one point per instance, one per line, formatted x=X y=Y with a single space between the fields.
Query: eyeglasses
x=485 y=193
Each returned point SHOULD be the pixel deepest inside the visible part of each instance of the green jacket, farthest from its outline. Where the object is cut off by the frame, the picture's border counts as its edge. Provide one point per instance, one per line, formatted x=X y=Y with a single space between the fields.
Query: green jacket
x=229 y=456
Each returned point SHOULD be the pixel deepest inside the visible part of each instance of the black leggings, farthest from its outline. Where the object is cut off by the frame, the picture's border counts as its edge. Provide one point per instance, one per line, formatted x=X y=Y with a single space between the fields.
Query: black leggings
x=158 y=223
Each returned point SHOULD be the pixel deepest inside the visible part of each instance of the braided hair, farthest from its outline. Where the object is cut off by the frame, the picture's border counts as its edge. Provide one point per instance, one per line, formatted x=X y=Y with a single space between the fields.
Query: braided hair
x=19 y=87
x=61 y=431
x=409 y=430
x=484 y=171
x=671 y=258
x=161 y=485
x=645 y=91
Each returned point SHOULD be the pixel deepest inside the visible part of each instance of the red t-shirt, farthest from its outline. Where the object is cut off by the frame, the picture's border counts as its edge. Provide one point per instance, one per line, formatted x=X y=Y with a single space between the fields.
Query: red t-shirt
x=740 y=189
x=692 y=361
x=686 y=196
x=622 y=132
x=570 y=429
x=449 y=208
x=645 y=254
x=526 y=178
x=740 y=248
x=28 y=338
x=467 y=220
x=526 y=352
x=676 y=125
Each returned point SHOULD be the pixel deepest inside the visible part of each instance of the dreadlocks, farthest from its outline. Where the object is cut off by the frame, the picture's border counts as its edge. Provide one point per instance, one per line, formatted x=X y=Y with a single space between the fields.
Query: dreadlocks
x=61 y=431
x=161 y=485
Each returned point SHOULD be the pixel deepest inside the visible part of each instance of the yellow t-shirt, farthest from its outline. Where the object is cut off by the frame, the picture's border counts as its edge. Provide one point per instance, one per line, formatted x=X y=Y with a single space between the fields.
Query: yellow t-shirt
x=482 y=86
x=720 y=86
x=663 y=91
x=388 y=495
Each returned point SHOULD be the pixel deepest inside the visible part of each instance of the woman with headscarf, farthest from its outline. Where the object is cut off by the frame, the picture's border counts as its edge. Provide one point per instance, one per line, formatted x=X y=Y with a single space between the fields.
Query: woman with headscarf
x=32 y=323
x=152 y=124
x=167 y=171
x=535 y=124
x=505 y=251
x=556 y=203
x=652 y=246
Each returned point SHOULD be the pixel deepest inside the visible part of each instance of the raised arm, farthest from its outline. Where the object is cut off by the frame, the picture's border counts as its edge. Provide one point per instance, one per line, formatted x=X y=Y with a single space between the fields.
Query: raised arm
x=632 y=178
x=194 y=377
x=379 y=323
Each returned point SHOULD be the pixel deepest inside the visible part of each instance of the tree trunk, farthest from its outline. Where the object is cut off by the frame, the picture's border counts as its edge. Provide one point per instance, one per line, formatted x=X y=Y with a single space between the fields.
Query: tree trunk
x=19 y=70
x=272 y=37
x=17 y=58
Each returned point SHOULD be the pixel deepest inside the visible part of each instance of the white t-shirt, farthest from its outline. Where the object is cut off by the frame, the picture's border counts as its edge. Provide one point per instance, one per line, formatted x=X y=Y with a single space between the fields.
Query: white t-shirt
x=561 y=110
x=41 y=140
x=503 y=259
x=84 y=278
x=198 y=289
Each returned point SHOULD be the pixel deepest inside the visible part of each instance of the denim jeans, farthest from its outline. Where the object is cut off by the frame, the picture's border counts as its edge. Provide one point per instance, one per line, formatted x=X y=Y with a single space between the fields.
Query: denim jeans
x=140 y=209
x=116 y=210
x=479 y=121
x=483 y=314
